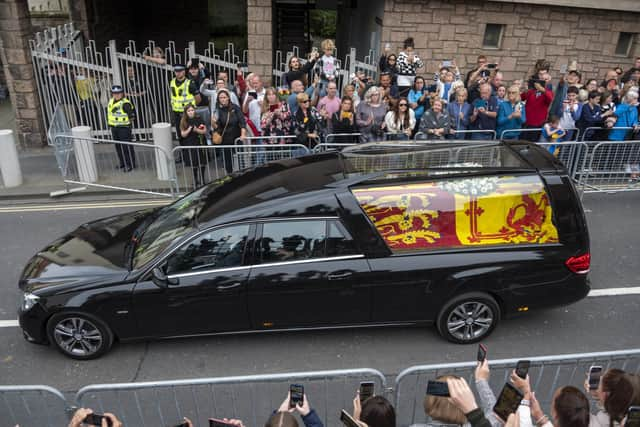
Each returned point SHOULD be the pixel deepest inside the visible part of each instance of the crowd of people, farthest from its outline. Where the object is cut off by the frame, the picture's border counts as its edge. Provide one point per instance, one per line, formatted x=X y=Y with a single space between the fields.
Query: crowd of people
x=310 y=105
x=605 y=404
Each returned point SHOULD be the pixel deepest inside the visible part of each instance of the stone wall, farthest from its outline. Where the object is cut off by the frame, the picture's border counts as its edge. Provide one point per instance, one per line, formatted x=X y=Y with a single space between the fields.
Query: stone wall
x=15 y=30
x=454 y=29
x=260 y=37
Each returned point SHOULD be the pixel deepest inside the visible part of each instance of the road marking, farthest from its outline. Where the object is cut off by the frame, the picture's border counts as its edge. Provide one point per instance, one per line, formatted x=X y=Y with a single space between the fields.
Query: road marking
x=71 y=206
x=614 y=292
x=9 y=323
x=594 y=293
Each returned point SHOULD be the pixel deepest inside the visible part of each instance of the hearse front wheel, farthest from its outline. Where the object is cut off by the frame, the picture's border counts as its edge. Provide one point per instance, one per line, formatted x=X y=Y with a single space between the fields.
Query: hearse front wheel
x=468 y=318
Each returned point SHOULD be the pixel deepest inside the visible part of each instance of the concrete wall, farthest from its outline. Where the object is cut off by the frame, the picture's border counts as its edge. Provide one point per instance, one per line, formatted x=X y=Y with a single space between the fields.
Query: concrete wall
x=454 y=29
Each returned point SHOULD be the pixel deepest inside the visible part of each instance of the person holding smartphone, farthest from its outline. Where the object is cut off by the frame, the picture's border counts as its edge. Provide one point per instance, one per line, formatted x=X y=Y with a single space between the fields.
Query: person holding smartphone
x=343 y=121
x=81 y=415
x=283 y=416
x=616 y=391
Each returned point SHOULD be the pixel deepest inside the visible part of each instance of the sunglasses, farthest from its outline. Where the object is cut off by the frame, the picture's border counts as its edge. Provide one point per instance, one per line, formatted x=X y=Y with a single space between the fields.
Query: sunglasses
x=403 y=105
x=306 y=101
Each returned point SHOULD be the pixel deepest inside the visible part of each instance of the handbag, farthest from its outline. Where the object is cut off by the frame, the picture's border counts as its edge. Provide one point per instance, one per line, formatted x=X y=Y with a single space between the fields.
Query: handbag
x=216 y=138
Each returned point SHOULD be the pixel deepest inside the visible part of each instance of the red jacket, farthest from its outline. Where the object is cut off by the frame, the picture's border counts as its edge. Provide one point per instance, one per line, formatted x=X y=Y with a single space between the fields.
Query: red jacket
x=537 y=106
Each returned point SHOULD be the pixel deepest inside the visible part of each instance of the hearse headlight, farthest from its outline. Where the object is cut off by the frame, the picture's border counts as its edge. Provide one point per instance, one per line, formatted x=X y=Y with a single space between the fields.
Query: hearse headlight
x=29 y=300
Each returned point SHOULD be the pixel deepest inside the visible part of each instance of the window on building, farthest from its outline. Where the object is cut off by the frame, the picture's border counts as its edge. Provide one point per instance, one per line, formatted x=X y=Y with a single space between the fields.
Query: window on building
x=492 y=36
x=625 y=41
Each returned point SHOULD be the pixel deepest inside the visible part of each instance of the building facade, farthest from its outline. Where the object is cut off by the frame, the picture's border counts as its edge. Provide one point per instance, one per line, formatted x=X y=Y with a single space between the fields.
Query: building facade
x=598 y=34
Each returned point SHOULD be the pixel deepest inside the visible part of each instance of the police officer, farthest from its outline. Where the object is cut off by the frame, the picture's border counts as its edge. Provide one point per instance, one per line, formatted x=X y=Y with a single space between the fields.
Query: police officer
x=120 y=114
x=183 y=92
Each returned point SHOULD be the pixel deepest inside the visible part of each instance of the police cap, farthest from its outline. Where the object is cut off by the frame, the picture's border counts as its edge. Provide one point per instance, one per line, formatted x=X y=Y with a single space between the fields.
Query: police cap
x=116 y=89
x=179 y=67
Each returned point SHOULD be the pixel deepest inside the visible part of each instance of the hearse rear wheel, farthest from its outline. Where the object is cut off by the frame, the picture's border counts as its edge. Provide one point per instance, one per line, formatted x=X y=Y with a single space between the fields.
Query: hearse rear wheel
x=468 y=318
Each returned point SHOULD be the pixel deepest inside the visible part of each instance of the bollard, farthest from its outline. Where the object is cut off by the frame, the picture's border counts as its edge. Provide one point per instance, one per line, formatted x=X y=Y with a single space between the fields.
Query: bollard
x=163 y=138
x=9 y=164
x=85 y=155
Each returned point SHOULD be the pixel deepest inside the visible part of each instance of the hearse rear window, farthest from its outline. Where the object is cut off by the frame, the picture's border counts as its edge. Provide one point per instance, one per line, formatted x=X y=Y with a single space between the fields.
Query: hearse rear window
x=460 y=212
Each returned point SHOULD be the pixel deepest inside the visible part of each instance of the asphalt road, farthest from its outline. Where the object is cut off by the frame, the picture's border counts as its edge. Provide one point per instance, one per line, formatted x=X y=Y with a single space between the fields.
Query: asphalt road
x=594 y=324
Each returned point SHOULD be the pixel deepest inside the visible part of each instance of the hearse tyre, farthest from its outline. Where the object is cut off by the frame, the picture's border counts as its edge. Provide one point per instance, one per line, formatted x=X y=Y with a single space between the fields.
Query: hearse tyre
x=468 y=318
x=79 y=335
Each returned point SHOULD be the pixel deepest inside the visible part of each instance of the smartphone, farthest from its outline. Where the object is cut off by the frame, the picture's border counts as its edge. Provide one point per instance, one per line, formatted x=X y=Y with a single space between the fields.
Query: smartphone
x=297 y=395
x=491 y=66
x=366 y=390
x=438 y=388
x=218 y=423
x=595 y=372
x=446 y=63
x=482 y=352
x=633 y=417
x=563 y=69
x=522 y=368
x=96 y=420
x=195 y=62
x=254 y=94
x=347 y=419
x=507 y=402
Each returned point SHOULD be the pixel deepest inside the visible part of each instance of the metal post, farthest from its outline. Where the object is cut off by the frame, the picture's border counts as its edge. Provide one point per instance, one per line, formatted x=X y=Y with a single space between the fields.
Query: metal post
x=85 y=155
x=9 y=164
x=352 y=64
x=115 y=64
x=163 y=138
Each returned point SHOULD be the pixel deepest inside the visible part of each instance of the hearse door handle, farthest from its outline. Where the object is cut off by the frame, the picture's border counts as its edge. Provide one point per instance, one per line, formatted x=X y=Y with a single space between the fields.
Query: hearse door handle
x=228 y=287
x=340 y=276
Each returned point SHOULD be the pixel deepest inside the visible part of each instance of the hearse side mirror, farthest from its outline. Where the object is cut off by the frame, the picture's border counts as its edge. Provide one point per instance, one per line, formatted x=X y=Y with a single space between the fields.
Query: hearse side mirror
x=160 y=278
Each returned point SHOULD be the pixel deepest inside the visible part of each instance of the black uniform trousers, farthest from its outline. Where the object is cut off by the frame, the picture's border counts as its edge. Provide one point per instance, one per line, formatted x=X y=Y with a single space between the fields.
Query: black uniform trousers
x=126 y=153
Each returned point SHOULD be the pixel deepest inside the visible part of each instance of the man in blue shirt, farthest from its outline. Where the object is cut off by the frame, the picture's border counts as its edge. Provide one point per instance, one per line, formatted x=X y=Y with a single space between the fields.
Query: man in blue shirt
x=485 y=112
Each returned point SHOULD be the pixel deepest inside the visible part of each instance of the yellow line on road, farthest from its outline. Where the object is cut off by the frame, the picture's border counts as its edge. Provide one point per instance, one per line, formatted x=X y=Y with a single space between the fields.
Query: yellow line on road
x=71 y=206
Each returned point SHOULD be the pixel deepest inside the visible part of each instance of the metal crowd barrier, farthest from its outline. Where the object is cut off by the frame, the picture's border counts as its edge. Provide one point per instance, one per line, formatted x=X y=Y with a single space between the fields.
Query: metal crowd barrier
x=203 y=164
x=613 y=166
x=574 y=132
x=546 y=374
x=94 y=162
x=331 y=146
x=603 y=133
x=342 y=138
x=251 y=398
x=573 y=154
x=33 y=405
x=474 y=132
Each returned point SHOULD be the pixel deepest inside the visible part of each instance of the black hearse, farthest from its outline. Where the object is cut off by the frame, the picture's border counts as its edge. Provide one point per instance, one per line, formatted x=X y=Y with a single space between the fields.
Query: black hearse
x=460 y=235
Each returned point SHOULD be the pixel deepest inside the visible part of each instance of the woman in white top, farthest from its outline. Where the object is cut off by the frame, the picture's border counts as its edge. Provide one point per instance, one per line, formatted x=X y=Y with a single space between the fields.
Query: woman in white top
x=400 y=120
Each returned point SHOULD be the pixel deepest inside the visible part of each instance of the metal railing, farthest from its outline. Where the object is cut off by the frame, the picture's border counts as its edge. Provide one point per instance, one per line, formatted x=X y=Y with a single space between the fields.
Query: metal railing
x=574 y=133
x=613 y=166
x=33 y=405
x=546 y=373
x=202 y=164
x=95 y=162
x=604 y=133
x=251 y=398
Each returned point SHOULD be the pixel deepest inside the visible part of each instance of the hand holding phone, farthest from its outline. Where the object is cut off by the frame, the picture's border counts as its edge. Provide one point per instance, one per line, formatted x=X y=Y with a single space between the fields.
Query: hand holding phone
x=437 y=388
x=482 y=352
x=508 y=401
x=348 y=420
x=522 y=368
x=296 y=395
x=96 y=420
x=595 y=372
x=633 y=417
x=366 y=390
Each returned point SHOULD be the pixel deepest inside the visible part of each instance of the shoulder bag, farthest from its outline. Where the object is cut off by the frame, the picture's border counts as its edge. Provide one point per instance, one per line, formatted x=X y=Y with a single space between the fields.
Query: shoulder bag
x=216 y=138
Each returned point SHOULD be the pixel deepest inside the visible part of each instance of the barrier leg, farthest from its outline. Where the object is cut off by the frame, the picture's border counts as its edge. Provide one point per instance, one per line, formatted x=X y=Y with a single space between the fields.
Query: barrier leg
x=9 y=164
x=85 y=154
x=162 y=138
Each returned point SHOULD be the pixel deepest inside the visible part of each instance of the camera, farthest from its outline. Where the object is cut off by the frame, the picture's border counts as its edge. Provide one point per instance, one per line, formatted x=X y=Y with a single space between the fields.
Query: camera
x=485 y=73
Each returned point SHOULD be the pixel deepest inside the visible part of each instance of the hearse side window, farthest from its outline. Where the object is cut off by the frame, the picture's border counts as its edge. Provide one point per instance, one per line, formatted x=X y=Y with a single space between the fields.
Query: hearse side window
x=339 y=241
x=221 y=248
x=292 y=241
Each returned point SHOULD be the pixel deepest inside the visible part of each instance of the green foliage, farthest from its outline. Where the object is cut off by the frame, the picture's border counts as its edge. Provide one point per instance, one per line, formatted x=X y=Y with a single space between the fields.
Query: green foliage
x=323 y=24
